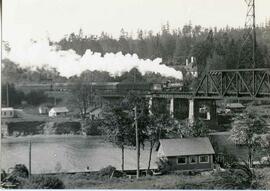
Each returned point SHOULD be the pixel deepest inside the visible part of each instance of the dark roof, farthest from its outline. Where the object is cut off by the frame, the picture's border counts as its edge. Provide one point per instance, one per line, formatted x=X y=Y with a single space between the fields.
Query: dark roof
x=186 y=146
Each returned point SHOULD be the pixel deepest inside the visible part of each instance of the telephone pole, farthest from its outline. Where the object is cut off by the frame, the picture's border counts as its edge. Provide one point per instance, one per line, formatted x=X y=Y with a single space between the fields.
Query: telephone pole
x=7 y=96
x=30 y=150
x=137 y=142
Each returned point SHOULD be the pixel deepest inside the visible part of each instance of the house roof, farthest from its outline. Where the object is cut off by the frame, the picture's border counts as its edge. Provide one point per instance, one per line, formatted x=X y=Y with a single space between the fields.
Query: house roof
x=7 y=109
x=234 y=105
x=186 y=146
x=60 y=109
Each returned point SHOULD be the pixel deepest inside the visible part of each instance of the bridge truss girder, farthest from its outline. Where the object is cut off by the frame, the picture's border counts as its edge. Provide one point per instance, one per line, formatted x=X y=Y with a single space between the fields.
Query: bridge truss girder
x=239 y=83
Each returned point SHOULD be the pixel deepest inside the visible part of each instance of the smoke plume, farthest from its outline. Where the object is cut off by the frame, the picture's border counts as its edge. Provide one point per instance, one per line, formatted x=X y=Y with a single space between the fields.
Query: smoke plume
x=68 y=63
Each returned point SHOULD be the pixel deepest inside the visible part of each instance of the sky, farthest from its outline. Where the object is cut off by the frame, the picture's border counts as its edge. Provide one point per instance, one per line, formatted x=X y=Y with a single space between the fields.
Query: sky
x=26 y=19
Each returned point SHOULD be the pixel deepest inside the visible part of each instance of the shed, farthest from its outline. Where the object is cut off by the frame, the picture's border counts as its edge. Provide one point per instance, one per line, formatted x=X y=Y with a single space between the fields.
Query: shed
x=7 y=112
x=187 y=153
x=235 y=107
x=58 y=111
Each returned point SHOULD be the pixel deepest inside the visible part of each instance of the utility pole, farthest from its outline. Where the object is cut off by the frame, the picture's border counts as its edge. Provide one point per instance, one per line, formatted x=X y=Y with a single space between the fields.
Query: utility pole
x=137 y=142
x=30 y=150
x=7 y=96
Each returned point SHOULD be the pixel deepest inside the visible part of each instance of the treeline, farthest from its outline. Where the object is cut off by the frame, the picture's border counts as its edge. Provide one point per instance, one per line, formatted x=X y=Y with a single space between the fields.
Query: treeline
x=214 y=48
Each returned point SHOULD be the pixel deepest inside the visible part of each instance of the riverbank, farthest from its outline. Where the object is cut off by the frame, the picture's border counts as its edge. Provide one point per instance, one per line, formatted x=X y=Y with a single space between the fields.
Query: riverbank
x=174 y=180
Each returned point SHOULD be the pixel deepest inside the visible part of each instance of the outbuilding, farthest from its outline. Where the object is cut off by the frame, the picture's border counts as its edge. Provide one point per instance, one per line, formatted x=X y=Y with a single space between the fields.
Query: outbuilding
x=187 y=153
x=234 y=107
x=7 y=112
x=58 y=111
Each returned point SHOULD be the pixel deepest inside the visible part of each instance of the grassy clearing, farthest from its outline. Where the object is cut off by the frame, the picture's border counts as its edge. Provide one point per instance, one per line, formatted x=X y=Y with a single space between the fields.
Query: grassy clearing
x=169 y=181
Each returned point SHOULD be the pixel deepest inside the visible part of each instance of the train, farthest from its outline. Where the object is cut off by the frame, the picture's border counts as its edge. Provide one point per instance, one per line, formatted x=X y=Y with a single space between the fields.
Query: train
x=103 y=86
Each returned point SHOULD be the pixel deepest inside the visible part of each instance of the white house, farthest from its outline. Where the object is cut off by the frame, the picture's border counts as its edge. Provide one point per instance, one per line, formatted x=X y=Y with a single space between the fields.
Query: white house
x=7 y=112
x=95 y=113
x=58 y=111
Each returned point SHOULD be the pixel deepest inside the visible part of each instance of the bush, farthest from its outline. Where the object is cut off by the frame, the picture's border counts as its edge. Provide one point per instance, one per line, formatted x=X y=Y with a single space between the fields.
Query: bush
x=92 y=127
x=3 y=174
x=44 y=182
x=164 y=166
x=107 y=171
x=239 y=176
x=67 y=128
x=20 y=170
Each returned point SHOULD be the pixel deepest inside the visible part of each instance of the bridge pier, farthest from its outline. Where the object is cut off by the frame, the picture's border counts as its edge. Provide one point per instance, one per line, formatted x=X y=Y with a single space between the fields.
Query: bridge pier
x=191 y=110
x=172 y=107
x=150 y=104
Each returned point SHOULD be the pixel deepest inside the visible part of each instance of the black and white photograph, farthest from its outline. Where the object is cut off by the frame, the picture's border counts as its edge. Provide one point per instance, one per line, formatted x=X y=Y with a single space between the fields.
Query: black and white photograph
x=135 y=94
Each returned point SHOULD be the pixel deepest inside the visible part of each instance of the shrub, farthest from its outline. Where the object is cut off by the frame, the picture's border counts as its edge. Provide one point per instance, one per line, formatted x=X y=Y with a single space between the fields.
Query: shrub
x=20 y=170
x=67 y=128
x=44 y=182
x=107 y=171
x=3 y=174
x=239 y=176
x=92 y=127
x=164 y=166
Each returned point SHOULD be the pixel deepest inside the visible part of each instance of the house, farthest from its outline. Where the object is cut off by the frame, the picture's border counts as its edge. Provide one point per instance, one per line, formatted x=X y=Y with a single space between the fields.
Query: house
x=234 y=107
x=95 y=113
x=187 y=153
x=58 y=111
x=7 y=112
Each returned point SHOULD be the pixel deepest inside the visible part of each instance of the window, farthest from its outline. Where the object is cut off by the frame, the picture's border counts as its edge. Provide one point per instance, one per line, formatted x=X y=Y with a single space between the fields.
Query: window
x=204 y=159
x=181 y=160
x=4 y=113
x=193 y=159
x=10 y=112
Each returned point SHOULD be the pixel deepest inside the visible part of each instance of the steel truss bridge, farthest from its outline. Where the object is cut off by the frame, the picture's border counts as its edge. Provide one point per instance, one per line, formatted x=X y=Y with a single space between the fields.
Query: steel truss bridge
x=239 y=84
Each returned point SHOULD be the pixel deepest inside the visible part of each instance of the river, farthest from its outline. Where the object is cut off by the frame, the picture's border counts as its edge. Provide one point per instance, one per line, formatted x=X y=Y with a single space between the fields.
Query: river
x=67 y=154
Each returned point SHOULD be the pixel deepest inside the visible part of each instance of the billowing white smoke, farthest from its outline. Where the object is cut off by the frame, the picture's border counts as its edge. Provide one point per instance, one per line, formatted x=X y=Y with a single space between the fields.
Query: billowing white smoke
x=68 y=63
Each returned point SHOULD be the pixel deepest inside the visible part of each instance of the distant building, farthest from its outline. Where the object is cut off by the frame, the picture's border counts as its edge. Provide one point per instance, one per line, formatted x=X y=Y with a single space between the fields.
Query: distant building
x=7 y=112
x=58 y=111
x=95 y=113
x=234 y=107
x=187 y=153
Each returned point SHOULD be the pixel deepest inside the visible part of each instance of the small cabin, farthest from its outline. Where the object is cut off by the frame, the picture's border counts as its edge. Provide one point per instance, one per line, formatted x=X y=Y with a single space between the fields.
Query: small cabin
x=187 y=153
x=58 y=111
x=7 y=112
x=234 y=107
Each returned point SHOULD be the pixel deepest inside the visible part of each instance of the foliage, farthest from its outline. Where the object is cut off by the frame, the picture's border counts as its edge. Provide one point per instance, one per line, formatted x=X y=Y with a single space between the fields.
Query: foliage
x=107 y=171
x=246 y=129
x=20 y=170
x=3 y=174
x=93 y=127
x=199 y=129
x=67 y=128
x=44 y=182
x=212 y=48
x=164 y=166
x=36 y=97
x=239 y=176
x=15 y=96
